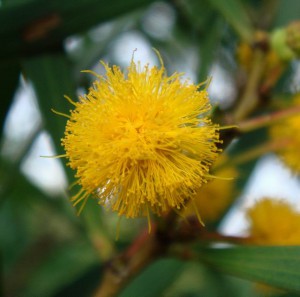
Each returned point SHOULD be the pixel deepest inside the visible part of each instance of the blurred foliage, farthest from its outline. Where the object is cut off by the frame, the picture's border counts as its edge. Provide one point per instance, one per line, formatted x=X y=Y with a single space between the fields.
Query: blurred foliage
x=46 y=250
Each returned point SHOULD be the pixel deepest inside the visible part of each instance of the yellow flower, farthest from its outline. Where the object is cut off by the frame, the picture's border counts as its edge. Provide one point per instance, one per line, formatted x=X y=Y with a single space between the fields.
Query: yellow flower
x=288 y=132
x=212 y=199
x=140 y=141
x=274 y=222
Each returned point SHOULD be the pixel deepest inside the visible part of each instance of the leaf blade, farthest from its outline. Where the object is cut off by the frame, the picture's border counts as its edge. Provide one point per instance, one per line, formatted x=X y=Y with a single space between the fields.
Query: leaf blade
x=277 y=266
x=10 y=73
x=161 y=273
x=38 y=26
x=233 y=11
x=51 y=76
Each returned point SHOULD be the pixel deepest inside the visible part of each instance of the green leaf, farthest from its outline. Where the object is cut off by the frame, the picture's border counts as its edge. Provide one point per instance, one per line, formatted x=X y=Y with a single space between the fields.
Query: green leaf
x=155 y=279
x=198 y=281
x=208 y=46
x=9 y=76
x=235 y=14
x=274 y=265
x=90 y=279
x=287 y=11
x=40 y=25
x=13 y=2
x=198 y=14
x=63 y=266
x=51 y=76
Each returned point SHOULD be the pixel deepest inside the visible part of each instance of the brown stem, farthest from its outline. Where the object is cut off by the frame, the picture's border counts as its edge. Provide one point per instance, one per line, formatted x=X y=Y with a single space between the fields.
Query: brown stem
x=121 y=269
x=268 y=119
x=191 y=229
x=254 y=152
x=217 y=237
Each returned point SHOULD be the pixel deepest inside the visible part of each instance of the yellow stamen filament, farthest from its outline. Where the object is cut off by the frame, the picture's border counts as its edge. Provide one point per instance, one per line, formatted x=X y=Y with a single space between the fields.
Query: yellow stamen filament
x=60 y=113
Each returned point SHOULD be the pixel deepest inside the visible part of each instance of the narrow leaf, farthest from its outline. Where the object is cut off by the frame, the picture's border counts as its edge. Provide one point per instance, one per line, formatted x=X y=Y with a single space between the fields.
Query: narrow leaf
x=287 y=11
x=51 y=76
x=33 y=26
x=235 y=14
x=275 y=265
x=155 y=279
x=63 y=266
x=9 y=76
x=208 y=47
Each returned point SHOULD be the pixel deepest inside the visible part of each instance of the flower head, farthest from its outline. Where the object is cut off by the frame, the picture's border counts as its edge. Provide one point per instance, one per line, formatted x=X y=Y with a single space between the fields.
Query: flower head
x=213 y=198
x=288 y=132
x=274 y=222
x=141 y=140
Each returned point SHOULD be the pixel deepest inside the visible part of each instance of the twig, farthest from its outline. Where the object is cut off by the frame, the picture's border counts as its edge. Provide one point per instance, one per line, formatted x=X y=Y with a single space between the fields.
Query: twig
x=250 y=98
x=147 y=247
x=268 y=119
x=120 y=270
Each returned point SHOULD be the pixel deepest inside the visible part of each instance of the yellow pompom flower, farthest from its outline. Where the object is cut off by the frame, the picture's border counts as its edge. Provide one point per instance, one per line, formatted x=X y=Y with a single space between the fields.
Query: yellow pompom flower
x=213 y=198
x=140 y=141
x=288 y=132
x=274 y=222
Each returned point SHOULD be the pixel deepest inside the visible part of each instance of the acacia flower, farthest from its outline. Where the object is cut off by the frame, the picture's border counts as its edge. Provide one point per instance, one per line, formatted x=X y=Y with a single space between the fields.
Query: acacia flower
x=140 y=141
x=288 y=132
x=274 y=222
x=212 y=199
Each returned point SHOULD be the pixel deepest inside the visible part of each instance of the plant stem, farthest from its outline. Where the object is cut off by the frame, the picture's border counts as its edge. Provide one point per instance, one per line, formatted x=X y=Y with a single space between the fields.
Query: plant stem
x=267 y=119
x=217 y=237
x=121 y=269
x=146 y=248
x=250 y=98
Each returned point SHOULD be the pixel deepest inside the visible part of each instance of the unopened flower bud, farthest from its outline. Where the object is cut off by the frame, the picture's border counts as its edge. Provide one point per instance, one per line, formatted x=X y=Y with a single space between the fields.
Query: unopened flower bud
x=280 y=46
